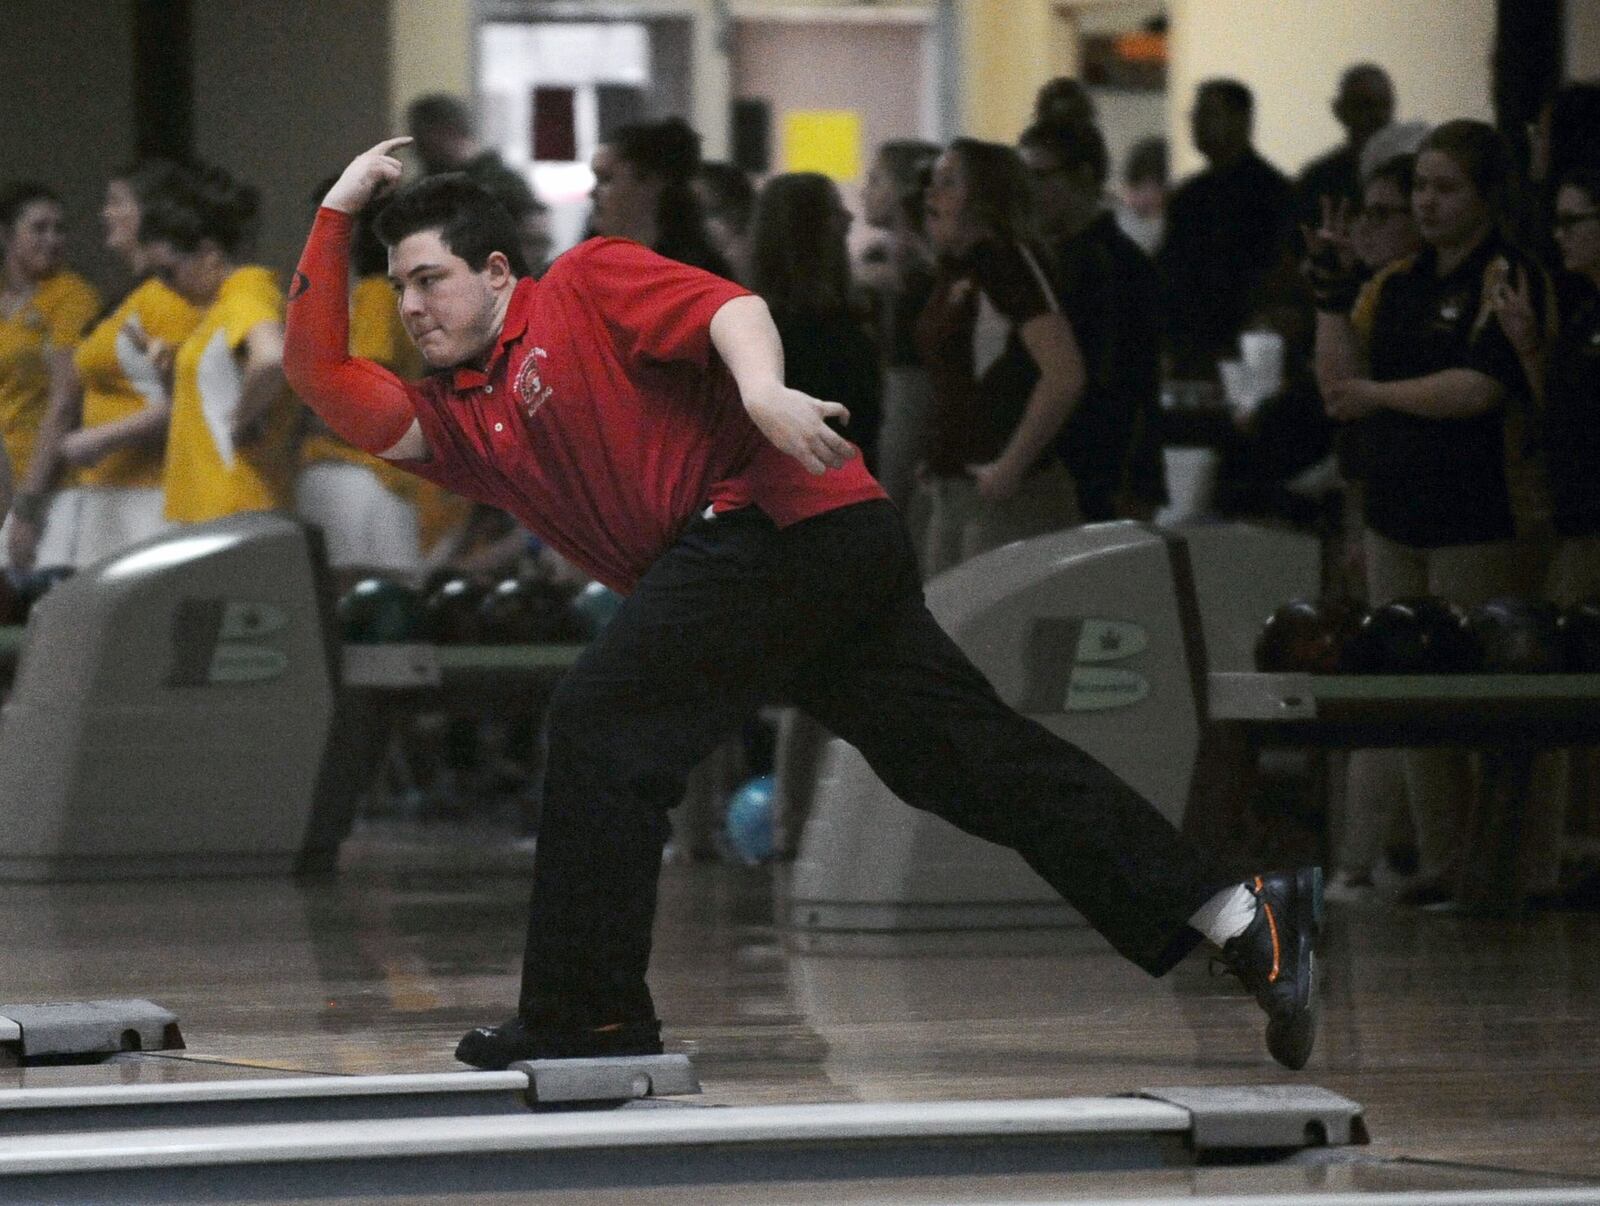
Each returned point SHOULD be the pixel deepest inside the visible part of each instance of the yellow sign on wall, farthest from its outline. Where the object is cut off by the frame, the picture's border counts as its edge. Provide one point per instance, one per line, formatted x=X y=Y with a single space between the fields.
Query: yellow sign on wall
x=823 y=140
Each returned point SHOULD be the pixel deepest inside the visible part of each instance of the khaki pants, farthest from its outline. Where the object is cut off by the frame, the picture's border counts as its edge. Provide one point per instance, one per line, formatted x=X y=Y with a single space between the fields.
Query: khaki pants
x=1439 y=782
x=961 y=524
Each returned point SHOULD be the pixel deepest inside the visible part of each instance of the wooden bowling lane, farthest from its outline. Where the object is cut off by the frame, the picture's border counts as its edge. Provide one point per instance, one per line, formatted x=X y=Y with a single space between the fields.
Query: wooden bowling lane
x=1474 y=1046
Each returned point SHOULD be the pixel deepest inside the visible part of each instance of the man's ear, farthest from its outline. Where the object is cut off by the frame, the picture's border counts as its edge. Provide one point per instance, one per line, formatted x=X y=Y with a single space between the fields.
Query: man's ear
x=499 y=269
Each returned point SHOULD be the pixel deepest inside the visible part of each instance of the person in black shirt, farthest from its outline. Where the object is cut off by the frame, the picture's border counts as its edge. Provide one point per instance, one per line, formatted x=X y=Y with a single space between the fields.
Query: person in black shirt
x=1438 y=407
x=1110 y=293
x=801 y=269
x=643 y=190
x=1227 y=234
x=1364 y=105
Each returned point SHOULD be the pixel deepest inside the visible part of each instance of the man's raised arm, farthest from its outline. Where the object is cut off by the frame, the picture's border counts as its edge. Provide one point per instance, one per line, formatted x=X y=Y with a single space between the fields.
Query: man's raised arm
x=362 y=402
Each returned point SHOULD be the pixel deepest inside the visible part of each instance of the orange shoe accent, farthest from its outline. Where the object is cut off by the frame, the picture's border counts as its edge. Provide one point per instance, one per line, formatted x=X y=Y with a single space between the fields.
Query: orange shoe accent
x=1272 y=926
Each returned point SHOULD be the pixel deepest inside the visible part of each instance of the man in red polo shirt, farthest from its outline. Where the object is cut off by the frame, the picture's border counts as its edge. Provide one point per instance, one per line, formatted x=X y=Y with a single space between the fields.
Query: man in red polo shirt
x=632 y=412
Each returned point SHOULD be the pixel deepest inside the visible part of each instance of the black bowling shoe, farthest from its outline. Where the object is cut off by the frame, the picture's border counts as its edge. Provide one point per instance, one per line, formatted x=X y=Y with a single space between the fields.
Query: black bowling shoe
x=494 y=1048
x=1275 y=959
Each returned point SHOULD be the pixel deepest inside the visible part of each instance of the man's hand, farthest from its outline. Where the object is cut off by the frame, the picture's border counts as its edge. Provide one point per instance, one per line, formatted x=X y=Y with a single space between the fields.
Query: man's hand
x=1513 y=306
x=796 y=424
x=370 y=174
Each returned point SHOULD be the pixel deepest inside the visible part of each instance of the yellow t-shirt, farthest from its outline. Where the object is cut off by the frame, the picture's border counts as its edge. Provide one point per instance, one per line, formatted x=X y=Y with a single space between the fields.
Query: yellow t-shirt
x=119 y=382
x=55 y=317
x=206 y=476
x=376 y=334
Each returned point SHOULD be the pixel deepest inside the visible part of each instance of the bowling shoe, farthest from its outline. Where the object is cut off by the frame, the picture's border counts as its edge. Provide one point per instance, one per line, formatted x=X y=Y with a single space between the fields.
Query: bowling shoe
x=494 y=1048
x=1274 y=958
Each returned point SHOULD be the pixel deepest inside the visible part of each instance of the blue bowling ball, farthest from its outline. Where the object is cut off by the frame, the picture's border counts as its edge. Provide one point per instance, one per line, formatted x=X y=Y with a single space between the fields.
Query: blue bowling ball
x=596 y=604
x=749 y=821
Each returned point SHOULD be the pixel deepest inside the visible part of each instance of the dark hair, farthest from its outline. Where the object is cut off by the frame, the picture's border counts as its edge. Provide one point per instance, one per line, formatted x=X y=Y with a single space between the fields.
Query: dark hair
x=909 y=165
x=1357 y=72
x=1483 y=156
x=999 y=191
x=198 y=204
x=16 y=197
x=470 y=222
x=1236 y=95
x=798 y=260
x=1586 y=179
x=1074 y=144
x=1063 y=99
x=734 y=197
x=439 y=110
x=149 y=178
x=669 y=151
x=1147 y=160
x=1398 y=170
x=1575 y=128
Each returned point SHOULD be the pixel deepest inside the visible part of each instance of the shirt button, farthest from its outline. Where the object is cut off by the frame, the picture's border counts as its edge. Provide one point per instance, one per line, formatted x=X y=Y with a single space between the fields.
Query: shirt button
x=499 y=426
x=488 y=389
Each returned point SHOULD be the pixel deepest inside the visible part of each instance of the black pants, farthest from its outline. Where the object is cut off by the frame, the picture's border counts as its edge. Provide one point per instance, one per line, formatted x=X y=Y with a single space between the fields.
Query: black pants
x=827 y=614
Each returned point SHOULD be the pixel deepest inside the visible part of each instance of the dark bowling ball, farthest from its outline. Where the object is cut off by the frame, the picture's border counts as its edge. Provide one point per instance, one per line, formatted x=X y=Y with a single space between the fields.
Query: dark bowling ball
x=1518 y=636
x=1420 y=635
x=35 y=584
x=525 y=611
x=12 y=612
x=378 y=611
x=1580 y=637
x=450 y=615
x=1308 y=636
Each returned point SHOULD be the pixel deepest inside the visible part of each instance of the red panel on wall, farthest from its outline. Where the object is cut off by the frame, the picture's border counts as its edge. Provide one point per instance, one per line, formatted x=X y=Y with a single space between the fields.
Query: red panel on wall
x=554 y=135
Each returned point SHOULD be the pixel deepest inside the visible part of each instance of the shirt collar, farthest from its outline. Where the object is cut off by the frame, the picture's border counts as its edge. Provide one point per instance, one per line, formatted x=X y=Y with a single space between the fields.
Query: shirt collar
x=515 y=325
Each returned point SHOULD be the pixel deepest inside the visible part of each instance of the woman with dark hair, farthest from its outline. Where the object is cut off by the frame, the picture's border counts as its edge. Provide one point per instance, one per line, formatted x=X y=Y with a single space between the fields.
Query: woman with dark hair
x=1004 y=363
x=643 y=177
x=44 y=309
x=896 y=272
x=800 y=267
x=728 y=200
x=230 y=446
x=120 y=376
x=1438 y=411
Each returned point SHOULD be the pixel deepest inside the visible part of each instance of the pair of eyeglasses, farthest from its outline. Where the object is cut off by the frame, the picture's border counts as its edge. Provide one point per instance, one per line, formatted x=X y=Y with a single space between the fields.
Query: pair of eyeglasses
x=1382 y=213
x=1568 y=221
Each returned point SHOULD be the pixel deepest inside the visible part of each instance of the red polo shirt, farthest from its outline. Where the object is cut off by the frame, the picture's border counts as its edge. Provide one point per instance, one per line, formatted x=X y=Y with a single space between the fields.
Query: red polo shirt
x=603 y=419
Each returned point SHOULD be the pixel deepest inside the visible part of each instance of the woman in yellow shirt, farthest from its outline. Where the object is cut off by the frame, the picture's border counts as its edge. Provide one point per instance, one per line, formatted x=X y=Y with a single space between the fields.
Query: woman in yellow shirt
x=366 y=509
x=44 y=309
x=231 y=440
x=121 y=365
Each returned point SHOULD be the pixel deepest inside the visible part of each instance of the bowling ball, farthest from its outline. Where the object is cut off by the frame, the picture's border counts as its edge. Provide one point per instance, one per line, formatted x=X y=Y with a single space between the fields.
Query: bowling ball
x=527 y=611
x=450 y=614
x=596 y=604
x=12 y=611
x=748 y=823
x=1518 y=636
x=1308 y=635
x=1418 y=635
x=378 y=611
x=1580 y=637
x=35 y=584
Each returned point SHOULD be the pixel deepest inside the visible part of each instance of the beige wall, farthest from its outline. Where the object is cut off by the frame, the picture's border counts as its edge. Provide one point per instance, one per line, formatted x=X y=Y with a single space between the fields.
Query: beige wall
x=1290 y=53
x=68 y=105
x=1008 y=49
x=430 y=50
x=284 y=96
x=1583 y=39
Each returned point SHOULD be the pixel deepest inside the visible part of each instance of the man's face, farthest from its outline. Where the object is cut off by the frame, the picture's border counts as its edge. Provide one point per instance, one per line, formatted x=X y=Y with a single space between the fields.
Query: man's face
x=193 y=275
x=449 y=310
x=1448 y=209
x=1219 y=130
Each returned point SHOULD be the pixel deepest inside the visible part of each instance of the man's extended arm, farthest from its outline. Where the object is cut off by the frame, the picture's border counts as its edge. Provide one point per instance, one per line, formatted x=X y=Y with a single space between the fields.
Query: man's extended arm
x=364 y=403
x=745 y=337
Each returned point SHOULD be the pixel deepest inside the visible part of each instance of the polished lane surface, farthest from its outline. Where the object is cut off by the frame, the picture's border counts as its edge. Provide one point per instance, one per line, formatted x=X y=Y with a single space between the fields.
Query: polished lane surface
x=1473 y=1045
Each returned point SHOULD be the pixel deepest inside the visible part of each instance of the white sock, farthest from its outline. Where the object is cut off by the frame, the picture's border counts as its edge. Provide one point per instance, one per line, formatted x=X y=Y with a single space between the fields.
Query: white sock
x=1226 y=915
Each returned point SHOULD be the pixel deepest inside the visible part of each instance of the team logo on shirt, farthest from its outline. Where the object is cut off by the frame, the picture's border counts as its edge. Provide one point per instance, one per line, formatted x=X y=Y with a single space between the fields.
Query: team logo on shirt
x=531 y=390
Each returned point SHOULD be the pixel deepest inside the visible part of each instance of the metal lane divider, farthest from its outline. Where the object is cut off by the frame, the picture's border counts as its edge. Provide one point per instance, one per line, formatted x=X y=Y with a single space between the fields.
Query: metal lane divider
x=634 y=1145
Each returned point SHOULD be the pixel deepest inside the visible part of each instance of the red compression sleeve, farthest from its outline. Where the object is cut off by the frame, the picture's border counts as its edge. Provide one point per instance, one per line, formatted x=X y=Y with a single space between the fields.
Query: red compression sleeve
x=364 y=403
